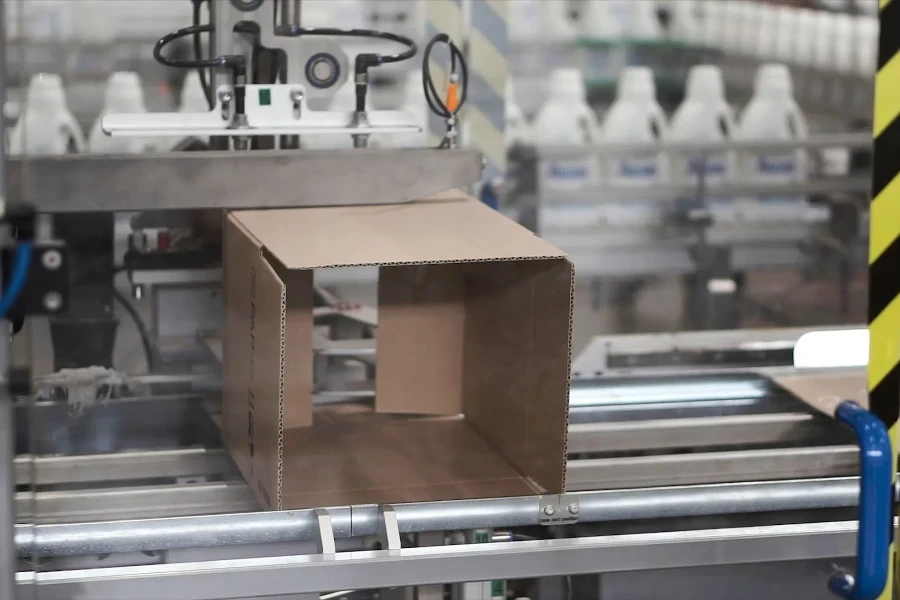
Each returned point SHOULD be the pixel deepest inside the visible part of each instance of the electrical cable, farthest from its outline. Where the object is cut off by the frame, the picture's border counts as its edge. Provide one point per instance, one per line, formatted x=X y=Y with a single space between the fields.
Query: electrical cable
x=21 y=265
x=459 y=84
x=146 y=342
x=382 y=59
x=228 y=61
x=198 y=55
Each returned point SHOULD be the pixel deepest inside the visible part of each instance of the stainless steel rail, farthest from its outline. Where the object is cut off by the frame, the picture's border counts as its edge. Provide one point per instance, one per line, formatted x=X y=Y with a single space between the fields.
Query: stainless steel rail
x=118 y=466
x=712 y=467
x=695 y=432
x=350 y=521
x=288 y=575
x=670 y=191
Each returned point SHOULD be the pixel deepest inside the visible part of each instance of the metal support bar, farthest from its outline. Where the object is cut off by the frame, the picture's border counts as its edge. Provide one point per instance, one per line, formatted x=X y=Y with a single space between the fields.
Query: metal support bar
x=712 y=467
x=139 y=502
x=325 y=538
x=692 y=432
x=670 y=191
x=446 y=564
x=853 y=141
x=122 y=466
x=359 y=521
x=230 y=180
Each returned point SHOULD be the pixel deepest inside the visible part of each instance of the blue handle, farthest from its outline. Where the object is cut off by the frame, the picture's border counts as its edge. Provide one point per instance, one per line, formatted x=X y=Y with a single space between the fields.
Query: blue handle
x=876 y=498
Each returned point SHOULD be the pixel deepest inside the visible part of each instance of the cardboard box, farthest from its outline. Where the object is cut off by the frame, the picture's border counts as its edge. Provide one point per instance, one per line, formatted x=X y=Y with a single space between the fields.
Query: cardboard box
x=474 y=336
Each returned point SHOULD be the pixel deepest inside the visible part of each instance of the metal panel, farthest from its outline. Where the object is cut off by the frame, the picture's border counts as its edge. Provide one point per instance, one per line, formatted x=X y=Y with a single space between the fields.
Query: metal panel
x=692 y=433
x=233 y=180
x=712 y=467
x=446 y=564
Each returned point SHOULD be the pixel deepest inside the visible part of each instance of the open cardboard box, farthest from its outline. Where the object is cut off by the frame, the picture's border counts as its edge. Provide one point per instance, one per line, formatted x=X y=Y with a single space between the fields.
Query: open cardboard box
x=472 y=374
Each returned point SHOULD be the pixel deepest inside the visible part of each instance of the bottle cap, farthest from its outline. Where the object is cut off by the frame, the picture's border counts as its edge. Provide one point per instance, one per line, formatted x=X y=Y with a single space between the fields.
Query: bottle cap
x=704 y=82
x=45 y=91
x=636 y=84
x=773 y=79
x=124 y=93
x=567 y=83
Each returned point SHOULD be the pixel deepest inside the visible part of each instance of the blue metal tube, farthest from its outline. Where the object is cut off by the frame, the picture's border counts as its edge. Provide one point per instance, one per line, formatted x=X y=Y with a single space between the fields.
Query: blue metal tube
x=875 y=506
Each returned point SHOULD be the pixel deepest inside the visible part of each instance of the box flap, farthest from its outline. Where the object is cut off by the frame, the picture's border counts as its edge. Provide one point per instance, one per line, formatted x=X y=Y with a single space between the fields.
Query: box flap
x=428 y=231
x=253 y=385
x=824 y=391
x=422 y=315
x=516 y=379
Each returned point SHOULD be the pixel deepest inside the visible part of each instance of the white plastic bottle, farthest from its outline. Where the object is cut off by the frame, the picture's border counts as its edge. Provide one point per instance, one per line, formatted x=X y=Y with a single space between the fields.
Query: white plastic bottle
x=46 y=126
x=518 y=130
x=705 y=116
x=124 y=94
x=567 y=120
x=773 y=114
x=634 y=117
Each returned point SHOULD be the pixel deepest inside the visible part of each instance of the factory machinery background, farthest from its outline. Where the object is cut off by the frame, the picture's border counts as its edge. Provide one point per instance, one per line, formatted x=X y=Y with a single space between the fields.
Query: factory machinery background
x=708 y=166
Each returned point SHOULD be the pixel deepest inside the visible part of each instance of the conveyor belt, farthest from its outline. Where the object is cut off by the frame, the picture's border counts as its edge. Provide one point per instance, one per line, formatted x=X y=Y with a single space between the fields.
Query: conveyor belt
x=624 y=433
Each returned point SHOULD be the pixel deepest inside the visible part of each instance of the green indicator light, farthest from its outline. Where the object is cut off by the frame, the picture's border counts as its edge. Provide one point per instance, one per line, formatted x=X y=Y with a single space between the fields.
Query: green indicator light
x=265 y=97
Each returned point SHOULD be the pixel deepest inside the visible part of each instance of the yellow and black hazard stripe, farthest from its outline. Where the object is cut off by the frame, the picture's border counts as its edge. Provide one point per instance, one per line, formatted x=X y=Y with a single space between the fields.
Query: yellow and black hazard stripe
x=884 y=239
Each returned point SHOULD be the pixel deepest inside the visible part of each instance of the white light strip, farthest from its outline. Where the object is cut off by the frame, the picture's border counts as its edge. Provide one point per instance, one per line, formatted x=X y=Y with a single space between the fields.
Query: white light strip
x=841 y=348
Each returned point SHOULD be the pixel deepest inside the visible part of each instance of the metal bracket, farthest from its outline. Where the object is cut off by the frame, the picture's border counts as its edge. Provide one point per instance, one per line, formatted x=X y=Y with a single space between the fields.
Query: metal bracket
x=325 y=539
x=559 y=509
x=388 y=528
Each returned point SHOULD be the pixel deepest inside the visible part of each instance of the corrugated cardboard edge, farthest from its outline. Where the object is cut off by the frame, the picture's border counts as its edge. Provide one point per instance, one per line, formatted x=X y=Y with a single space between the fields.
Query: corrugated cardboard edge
x=565 y=471
x=280 y=486
x=242 y=230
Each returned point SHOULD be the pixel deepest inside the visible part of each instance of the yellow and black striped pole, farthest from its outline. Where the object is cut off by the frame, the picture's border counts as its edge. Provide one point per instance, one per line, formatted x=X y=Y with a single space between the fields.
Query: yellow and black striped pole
x=884 y=242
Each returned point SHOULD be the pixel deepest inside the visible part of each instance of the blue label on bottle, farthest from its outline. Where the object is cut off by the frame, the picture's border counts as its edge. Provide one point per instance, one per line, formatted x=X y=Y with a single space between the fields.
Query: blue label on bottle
x=712 y=167
x=776 y=165
x=637 y=169
x=569 y=171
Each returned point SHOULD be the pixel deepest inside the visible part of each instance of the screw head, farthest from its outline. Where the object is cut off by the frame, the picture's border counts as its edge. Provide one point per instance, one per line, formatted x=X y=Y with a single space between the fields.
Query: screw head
x=296 y=96
x=549 y=511
x=226 y=96
x=51 y=259
x=53 y=301
x=574 y=509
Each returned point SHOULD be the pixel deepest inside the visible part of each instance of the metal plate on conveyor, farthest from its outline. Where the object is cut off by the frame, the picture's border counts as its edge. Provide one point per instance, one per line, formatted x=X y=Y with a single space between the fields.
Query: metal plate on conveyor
x=238 y=180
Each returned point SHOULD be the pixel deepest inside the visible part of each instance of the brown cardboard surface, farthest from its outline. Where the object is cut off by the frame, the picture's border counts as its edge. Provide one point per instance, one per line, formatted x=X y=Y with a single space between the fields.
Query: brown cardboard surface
x=420 y=339
x=419 y=232
x=825 y=391
x=253 y=391
x=347 y=460
x=474 y=318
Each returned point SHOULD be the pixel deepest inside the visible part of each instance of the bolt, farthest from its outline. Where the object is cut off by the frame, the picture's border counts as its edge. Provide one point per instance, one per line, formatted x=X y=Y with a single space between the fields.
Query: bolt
x=225 y=96
x=53 y=301
x=549 y=511
x=574 y=509
x=296 y=96
x=51 y=259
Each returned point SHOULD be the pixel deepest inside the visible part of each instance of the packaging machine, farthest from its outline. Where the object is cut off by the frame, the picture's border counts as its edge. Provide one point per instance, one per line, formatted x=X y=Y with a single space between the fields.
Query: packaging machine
x=684 y=452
